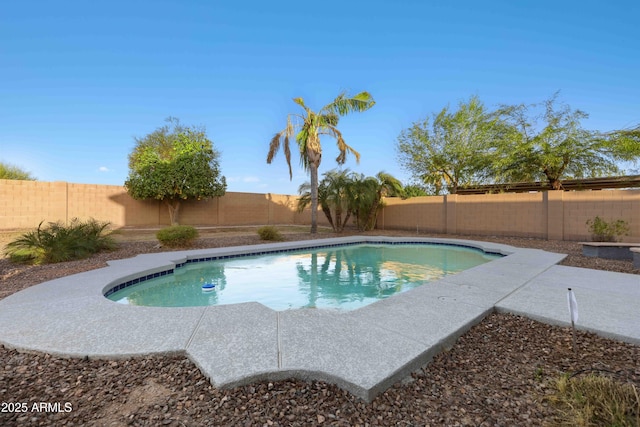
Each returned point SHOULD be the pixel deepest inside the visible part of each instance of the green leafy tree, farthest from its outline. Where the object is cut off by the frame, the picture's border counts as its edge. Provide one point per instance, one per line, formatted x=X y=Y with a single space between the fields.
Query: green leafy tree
x=455 y=150
x=173 y=164
x=553 y=145
x=628 y=138
x=8 y=171
x=629 y=141
x=307 y=130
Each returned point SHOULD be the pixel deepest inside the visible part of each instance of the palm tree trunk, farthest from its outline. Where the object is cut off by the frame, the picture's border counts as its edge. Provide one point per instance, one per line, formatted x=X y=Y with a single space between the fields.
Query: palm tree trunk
x=346 y=218
x=313 y=170
x=373 y=213
x=327 y=213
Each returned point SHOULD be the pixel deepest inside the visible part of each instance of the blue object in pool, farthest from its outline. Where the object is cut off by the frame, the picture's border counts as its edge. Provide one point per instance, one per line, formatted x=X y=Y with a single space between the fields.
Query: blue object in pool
x=208 y=287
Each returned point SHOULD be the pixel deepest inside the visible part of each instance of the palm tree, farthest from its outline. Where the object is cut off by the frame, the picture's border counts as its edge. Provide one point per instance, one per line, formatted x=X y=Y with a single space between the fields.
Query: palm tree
x=386 y=186
x=334 y=195
x=367 y=194
x=312 y=125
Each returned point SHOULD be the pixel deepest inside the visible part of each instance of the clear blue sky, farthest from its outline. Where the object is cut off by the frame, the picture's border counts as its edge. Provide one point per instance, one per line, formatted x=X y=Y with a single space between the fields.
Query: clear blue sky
x=80 y=79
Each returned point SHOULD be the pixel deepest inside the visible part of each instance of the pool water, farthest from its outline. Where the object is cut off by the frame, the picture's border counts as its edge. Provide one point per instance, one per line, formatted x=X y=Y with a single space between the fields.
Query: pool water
x=343 y=277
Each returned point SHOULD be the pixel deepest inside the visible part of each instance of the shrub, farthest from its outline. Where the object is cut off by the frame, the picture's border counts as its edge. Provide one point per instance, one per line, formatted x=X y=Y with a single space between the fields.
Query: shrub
x=603 y=231
x=177 y=236
x=58 y=242
x=269 y=232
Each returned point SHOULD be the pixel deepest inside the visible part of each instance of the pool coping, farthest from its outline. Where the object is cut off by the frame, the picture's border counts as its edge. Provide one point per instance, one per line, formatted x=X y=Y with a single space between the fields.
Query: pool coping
x=363 y=351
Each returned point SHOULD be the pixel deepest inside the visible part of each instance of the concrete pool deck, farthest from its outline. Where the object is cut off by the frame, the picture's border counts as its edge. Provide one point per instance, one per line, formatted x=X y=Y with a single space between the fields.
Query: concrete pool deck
x=363 y=351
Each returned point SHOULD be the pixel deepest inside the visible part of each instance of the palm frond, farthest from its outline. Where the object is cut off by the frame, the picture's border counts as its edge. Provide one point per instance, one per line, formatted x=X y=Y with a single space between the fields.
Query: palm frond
x=279 y=138
x=274 y=146
x=344 y=149
x=329 y=119
x=343 y=105
x=302 y=139
x=287 y=155
x=389 y=185
x=301 y=103
x=290 y=129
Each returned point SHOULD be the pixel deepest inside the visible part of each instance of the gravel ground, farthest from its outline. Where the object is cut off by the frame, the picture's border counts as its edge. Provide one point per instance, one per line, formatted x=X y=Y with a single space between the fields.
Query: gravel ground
x=497 y=374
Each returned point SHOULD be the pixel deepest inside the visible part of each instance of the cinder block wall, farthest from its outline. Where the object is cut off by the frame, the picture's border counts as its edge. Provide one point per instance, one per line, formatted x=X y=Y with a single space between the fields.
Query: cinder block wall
x=507 y=214
x=581 y=206
x=107 y=203
x=555 y=215
x=420 y=214
x=24 y=204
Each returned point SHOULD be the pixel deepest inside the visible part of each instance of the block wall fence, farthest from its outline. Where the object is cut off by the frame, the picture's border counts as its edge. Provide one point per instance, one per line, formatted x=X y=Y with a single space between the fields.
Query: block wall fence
x=24 y=204
x=554 y=215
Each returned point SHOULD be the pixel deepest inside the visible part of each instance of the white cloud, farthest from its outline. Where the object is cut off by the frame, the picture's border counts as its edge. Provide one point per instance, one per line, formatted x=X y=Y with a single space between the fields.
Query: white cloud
x=250 y=179
x=104 y=169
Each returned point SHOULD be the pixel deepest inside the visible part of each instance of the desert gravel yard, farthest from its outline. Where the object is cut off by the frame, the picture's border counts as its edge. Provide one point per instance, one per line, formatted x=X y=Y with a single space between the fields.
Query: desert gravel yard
x=497 y=374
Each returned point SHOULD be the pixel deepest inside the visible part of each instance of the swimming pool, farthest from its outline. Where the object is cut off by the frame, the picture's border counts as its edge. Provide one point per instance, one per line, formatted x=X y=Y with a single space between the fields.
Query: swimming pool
x=344 y=277
x=363 y=351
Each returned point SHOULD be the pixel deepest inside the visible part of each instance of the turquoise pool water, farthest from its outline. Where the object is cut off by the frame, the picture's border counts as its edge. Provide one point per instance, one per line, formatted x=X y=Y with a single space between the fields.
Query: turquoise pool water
x=343 y=277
